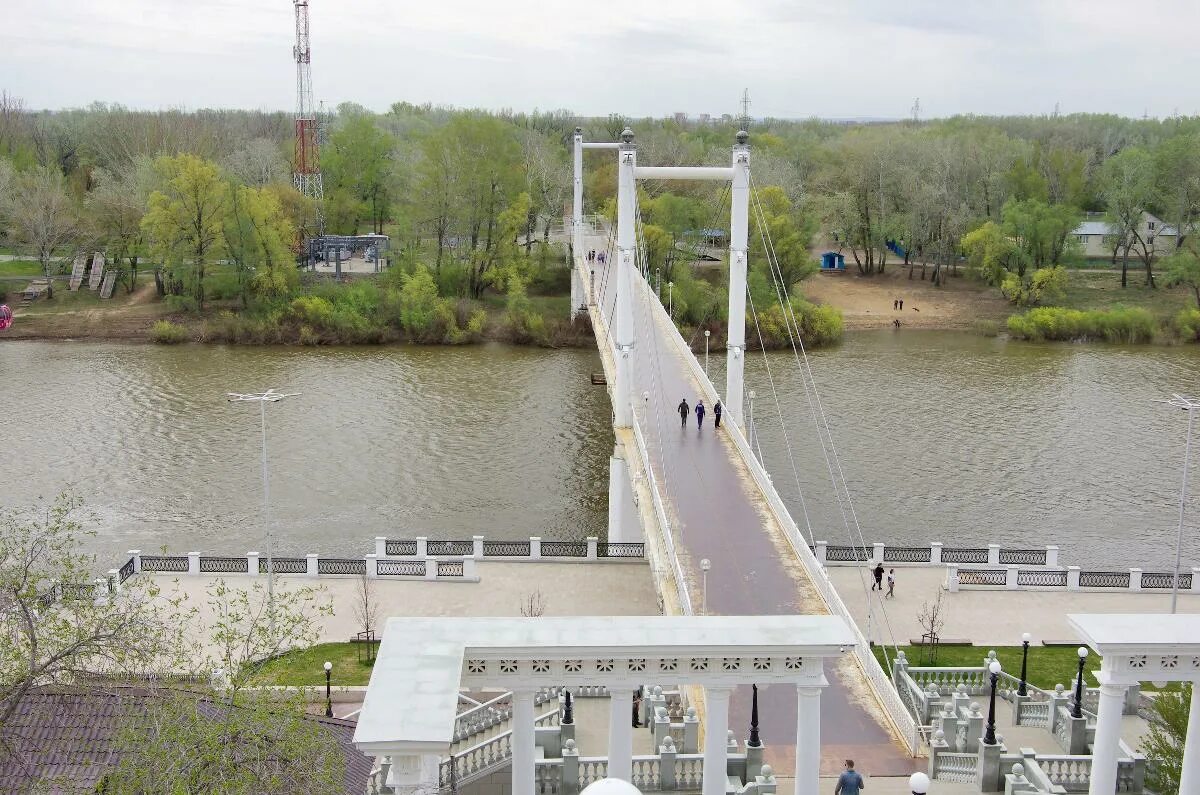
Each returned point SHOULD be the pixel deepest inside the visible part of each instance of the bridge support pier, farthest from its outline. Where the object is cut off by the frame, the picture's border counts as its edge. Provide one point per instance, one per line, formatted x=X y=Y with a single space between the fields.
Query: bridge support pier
x=738 y=256
x=623 y=333
x=577 y=224
x=623 y=522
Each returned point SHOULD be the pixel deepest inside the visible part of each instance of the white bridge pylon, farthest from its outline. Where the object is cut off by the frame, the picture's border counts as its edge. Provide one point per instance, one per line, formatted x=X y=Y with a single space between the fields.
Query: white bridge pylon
x=628 y=172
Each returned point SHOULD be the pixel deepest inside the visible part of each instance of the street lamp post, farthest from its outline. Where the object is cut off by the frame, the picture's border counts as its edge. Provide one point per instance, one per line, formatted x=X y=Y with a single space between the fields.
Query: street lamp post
x=658 y=283
x=706 y=335
x=1077 y=712
x=263 y=398
x=705 y=565
x=671 y=299
x=989 y=737
x=592 y=288
x=1022 y=690
x=1189 y=405
x=328 y=690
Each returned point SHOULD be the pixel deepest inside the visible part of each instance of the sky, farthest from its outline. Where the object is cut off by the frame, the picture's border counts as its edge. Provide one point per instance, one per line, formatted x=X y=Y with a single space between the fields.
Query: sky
x=798 y=58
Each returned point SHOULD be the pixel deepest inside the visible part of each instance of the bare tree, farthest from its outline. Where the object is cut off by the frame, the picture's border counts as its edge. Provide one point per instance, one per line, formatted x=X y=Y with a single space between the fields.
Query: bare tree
x=533 y=605
x=366 y=609
x=931 y=618
x=41 y=215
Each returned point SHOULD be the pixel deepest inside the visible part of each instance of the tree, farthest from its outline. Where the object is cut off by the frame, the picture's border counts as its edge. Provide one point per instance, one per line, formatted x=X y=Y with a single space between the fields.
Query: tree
x=991 y=253
x=116 y=207
x=257 y=236
x=789 y=234
x=1164 y=743
x=55 y=628
x=41 y=215
x=257 y=164
x=1183 y=268
x=357 y=165
x=502 y=262
x=1126 y=184
x=184 y=223
x=1177 y=178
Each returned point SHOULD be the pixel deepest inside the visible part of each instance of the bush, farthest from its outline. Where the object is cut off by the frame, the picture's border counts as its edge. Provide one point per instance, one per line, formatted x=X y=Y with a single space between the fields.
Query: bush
x=1187 y=324
x=164 y=332
x=986 y=328
x=1121 y=324
x=819 y=324
x=524 y=324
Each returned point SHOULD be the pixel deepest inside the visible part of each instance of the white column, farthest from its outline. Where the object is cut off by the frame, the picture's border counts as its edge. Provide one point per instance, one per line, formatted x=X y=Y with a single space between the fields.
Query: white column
x=716 y=732
x=626 y=237
x=577 y=225
x=522 y=743
x=735 y=364
x=618 y=492
x=1189 y=779
x=808 y=739
x=620 y=733
x=1105 y=747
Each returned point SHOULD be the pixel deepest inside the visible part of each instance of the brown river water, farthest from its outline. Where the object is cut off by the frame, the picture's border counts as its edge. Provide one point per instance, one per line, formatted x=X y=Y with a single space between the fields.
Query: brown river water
x=942 y=437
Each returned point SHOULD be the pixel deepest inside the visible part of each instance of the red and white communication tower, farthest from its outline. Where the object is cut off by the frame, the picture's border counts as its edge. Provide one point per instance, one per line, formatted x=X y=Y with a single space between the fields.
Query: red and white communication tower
x=308 y=157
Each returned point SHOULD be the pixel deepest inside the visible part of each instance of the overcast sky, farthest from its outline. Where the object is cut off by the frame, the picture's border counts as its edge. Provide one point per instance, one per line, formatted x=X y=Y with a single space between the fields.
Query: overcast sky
x=799 y=58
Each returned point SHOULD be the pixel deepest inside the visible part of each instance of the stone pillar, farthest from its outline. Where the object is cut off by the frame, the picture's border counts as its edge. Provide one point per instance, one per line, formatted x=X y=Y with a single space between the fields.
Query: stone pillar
x=193 y=563
x=592 y=543
x=820 y=550
x=372 y=565
x=477 y=547
x=1135 y=579
x=935 y=553
x=666 y=755
x=877 y=553
x=987 y=770
x=522 y=743
x=311 y=561
x=1072 y=578
x=1051 y=555
x=1106 y=746
x=570 y=768
x=469 y=572
x=660 y=725
x=620 y=733
x=535 y=547
x=1195 y=580
x=430 y=569
x=422 y=546
x=808 y=739
x=952 y=579
x=993 y=554
x=381 y=546
x=1010 y=578
x=691 y=732
x=252 y=564
x=1189 y=779
x=716 y=732
x=136 y=554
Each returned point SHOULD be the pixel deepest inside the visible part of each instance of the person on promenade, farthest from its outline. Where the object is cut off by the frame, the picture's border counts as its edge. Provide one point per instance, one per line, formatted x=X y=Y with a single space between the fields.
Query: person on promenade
x=717 y=410
x=684 y=411
x=891 y=593
x=878 y=572
x=895 y=304
x=699 y=414
x=850 y=782
x=901 y=304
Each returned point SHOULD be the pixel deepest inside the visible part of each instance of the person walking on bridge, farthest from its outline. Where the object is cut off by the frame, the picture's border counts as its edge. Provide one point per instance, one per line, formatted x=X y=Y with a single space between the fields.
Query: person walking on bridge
x=850 y=782
x=699 y=414
x=718 y=409
x=684 y=410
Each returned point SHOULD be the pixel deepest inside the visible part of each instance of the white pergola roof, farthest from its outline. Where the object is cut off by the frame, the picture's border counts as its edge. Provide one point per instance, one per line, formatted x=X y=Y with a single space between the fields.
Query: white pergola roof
x=1139 y=647
x=422 y=663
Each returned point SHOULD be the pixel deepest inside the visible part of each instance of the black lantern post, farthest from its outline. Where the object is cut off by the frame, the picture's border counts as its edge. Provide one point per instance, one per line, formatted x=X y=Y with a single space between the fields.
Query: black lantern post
x=989 y=737
x=1078 y=711
x=328 y=690
x=568 y=713
x=1022 y=690
x=754 y=741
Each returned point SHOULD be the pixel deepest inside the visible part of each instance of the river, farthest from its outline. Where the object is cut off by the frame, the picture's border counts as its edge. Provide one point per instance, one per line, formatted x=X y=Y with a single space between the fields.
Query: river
x=942 y=436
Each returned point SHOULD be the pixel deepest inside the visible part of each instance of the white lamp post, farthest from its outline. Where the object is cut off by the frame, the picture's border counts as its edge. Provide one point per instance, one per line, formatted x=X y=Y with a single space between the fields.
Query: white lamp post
x=671 y=299
x=918 y=783
x=705 y=565
x=706 y=334
x=263 y=398
x=1190 y=405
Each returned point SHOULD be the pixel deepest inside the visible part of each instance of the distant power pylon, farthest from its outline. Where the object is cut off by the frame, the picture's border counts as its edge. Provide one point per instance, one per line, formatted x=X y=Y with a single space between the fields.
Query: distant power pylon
x=744 y=120
x=307 y=177
x=916 y=110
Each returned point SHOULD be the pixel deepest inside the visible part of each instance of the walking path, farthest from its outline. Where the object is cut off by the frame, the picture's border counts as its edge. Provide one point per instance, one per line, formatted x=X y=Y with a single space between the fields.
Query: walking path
x=718 y=514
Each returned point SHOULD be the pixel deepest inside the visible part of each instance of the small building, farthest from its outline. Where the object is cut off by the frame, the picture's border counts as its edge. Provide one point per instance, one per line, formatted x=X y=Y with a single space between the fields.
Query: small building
x=833 y=261
x=1095 y=236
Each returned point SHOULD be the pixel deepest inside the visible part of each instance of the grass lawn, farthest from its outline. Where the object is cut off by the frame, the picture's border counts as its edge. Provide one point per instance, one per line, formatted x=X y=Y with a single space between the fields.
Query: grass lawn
x=1048 y=665
x=1091 y=290
x=20 y=267
x=64 y=300
x=307 y=666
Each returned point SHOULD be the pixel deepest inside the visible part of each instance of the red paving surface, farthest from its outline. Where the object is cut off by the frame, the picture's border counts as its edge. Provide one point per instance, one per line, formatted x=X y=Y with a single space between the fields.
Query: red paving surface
x=715 y=514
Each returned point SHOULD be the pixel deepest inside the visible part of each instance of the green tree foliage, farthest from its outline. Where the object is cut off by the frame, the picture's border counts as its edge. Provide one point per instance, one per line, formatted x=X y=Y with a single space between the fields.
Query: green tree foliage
x=1183 y=267
x=257 y=237
x=1163 y=745
x=774 y=218
x=524 y=324
x=184 y=223
x=1129 y=325
x=1126 y=183
x=357 y=163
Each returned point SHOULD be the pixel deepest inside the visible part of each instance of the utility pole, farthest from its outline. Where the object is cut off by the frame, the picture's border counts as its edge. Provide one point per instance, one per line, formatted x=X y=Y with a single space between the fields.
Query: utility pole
x=307 y=176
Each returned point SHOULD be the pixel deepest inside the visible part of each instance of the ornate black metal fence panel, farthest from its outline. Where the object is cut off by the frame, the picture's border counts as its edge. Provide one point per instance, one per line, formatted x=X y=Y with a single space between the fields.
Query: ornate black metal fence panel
x=564 y=549
x=1042 y=579
x=982 y=576
x=506 y=549
x=231 y=565
x=1151 y=579
x=907 y=554
x=341 y=566
x=964 y=555
x=450 y=568
x=1023 y=557
x=1103 y=579
x=78 y=590
x=126 y=570
x=285 y=566
x=606 y=549
x=450 y=548
x=847 y=553
x=164 y=563
x=401 y=568
x=396 y=547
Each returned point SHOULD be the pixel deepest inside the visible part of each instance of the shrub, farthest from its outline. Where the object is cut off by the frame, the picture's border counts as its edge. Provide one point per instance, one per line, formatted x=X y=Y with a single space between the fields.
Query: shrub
x=164 y=332
x=1120 y=324
x=524 y=324
x=1187 y=324
x=313 y=310
x=986 y=328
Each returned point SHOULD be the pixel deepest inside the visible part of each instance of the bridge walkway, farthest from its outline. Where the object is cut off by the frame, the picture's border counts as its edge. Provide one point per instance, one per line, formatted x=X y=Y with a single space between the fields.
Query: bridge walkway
x=717 y=512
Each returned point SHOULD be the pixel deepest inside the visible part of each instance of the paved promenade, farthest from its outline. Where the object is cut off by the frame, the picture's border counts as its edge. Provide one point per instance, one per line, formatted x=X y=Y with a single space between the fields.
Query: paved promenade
x=717 y=513
x=986 y=617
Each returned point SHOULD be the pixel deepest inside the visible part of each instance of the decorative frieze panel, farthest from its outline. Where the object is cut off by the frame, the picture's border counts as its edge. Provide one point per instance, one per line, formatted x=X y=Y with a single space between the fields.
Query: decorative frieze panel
x=1150 y=667
x=494 y=672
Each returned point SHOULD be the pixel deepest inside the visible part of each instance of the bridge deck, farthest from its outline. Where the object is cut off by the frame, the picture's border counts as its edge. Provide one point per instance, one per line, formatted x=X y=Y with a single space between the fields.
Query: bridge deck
x=717 y=512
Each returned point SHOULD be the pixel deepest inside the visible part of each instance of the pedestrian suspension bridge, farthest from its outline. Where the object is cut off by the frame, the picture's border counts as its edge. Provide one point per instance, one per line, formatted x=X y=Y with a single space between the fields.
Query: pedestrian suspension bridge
x=694 y=495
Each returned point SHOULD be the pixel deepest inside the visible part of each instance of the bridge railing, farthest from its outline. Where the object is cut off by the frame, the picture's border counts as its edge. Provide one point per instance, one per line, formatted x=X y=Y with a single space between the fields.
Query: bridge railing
x=879 y=680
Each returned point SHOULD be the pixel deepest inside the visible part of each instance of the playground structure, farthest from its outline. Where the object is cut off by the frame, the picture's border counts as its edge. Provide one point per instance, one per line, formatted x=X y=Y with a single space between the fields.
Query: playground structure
x=343 y=254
